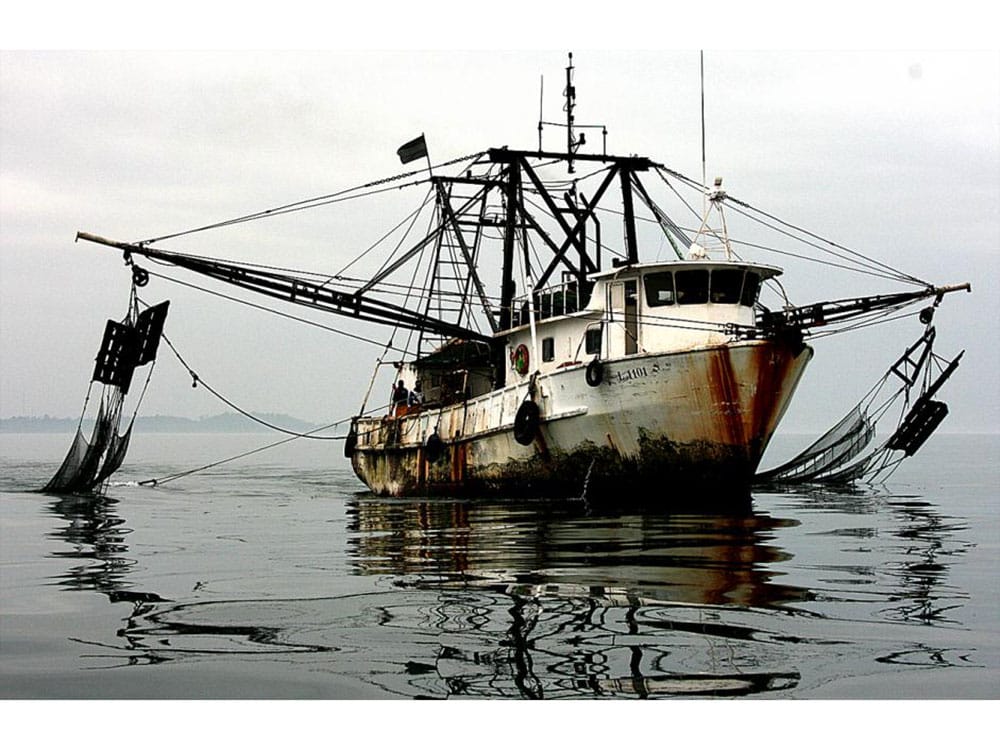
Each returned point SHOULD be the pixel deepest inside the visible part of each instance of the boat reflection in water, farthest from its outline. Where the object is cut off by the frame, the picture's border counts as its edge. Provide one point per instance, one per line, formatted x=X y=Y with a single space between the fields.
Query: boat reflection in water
x=94 y=536
x=96 y=539
x=440 y=598
x=696 y=559
x=540 y=600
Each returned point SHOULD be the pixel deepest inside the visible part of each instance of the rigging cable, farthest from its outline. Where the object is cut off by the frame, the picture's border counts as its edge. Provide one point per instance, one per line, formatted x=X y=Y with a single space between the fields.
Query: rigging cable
x=321 y=200
x=311 y=434
x=196 y=379
x=412 y=218
x=901 y=276
x=427 y=292
x=897 y=274
x=189 y=472
x=877 y=318
x=788 y=253
x=892 y=274
x=691 y=183
x=296 y=318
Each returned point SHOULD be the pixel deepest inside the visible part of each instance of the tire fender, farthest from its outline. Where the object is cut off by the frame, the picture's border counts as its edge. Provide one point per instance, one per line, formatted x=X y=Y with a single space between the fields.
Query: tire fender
x=526 y=422
x=595 y=373
x=434 y=448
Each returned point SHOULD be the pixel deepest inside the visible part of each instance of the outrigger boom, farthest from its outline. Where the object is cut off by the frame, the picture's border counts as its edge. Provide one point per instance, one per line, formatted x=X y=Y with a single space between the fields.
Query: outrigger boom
x=304 y=292
x=293 y=289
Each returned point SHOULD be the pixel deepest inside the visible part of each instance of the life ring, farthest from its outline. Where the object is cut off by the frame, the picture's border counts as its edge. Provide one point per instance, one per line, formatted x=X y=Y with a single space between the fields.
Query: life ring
x=434 y=448
x=519 y=359
x=526 y=423
x=595 y=373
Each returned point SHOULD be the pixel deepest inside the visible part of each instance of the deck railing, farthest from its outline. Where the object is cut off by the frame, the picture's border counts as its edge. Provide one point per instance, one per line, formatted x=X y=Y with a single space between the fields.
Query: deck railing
x=560 y=299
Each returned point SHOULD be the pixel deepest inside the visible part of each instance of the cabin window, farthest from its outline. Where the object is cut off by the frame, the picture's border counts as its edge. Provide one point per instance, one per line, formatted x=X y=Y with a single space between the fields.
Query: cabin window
x=558 y=303
x=726 y=284
x=548 y=349
x=592 y=342
x=692 y=287
x=750 y=288
x=571 y=301
x=659 y=289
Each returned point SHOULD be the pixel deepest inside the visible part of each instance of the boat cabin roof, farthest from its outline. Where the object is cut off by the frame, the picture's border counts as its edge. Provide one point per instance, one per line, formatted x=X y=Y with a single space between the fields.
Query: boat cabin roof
x=765 y=271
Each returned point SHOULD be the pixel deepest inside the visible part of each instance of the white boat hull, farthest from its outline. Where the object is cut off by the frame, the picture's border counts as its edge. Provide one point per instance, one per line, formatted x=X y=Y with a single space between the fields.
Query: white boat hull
x=671 y=424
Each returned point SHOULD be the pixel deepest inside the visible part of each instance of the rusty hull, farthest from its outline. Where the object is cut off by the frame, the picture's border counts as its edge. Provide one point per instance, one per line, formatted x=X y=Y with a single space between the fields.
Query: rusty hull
x=687 y=425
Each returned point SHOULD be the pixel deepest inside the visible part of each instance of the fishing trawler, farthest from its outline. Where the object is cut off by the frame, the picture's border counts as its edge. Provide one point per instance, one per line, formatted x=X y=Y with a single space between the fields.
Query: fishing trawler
x=550 y=355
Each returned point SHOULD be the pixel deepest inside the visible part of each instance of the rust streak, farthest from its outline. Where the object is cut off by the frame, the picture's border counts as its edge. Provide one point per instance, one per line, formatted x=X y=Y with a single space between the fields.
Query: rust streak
x=772 y=367
x=727 y=404
x=458 y=462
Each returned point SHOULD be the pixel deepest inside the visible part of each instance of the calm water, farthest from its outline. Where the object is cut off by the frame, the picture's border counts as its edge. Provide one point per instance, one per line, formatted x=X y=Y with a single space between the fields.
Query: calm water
x=278 y=577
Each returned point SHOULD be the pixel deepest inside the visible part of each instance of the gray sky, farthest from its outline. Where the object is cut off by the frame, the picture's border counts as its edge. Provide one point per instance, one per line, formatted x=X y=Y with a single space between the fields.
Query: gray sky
x=893 y=153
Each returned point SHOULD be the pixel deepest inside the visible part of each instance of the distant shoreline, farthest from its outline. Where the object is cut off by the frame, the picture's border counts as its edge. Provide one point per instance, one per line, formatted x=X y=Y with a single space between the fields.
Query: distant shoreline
x=218 y=423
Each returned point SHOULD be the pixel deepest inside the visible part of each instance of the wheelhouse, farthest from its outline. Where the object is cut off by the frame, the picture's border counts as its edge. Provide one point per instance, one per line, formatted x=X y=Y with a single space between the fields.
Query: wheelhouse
x=637 y=309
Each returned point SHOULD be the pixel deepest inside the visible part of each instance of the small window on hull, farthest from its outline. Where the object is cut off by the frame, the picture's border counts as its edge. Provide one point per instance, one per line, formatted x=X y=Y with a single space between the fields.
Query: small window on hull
x=593 y=341
x=548 y=349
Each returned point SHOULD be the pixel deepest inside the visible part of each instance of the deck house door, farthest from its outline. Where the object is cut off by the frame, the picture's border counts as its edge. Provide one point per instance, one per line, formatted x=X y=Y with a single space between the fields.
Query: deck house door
x=623 y=333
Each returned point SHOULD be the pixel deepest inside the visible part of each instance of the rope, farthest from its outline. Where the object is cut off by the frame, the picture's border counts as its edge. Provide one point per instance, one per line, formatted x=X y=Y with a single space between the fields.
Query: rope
x=179 y=475
x=293 y=435
x=171 y=477
x=196 y=379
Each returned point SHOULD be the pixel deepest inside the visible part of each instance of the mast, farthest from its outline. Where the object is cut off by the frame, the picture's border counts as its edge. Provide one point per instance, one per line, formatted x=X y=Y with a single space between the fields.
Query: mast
x=570 y=92
x=631 y=247
x=512 y=193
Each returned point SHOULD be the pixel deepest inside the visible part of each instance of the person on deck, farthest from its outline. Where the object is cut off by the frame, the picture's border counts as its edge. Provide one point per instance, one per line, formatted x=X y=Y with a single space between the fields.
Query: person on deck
x=416 y=398
x=400 y=397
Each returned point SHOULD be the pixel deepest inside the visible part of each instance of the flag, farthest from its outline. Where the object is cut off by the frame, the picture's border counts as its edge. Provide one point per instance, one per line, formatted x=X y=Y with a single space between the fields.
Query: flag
x=412 y=150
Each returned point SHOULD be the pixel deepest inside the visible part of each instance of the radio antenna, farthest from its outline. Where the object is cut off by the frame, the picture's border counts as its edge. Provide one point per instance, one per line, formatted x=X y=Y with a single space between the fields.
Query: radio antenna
x=571 y=142
x=541 y=102
x=704 y=172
